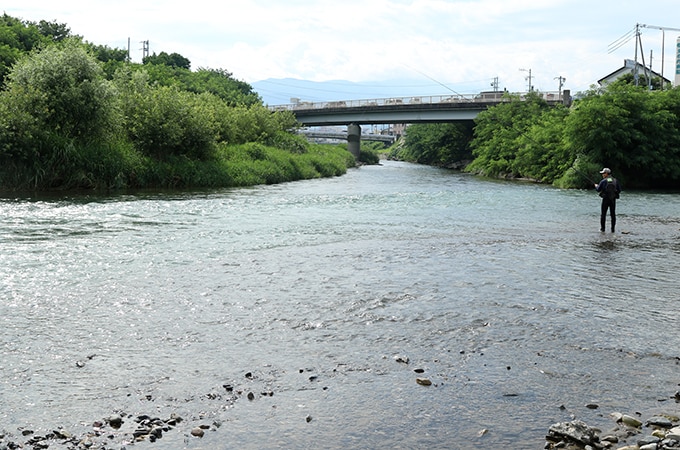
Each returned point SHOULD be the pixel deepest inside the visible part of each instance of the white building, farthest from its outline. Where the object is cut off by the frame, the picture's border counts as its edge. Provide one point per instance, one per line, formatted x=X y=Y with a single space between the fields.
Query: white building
x=677 y=63
x=630 y=66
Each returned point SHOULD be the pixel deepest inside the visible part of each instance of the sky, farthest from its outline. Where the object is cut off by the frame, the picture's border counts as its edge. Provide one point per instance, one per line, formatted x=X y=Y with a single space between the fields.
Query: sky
x=430 y=46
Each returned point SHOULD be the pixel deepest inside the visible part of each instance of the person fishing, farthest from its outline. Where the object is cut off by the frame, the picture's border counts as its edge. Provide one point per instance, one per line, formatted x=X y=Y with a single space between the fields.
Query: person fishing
x=609 y=189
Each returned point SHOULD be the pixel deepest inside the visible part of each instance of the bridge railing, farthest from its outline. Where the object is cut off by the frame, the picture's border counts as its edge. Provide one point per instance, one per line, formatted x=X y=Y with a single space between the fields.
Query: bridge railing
x=486 y=97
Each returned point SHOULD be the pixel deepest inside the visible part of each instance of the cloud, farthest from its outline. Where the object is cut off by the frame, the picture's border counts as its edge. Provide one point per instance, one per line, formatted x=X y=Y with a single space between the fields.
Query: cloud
x=462 y=43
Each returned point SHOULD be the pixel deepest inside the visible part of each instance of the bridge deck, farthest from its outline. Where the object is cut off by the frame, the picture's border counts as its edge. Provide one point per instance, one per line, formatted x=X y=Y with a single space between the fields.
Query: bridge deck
x=438 y=108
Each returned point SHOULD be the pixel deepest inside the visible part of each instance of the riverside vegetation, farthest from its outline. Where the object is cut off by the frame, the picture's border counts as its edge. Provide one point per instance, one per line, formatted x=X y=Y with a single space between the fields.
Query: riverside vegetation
x=631 y=129
x=74 y=115
x=79 y=115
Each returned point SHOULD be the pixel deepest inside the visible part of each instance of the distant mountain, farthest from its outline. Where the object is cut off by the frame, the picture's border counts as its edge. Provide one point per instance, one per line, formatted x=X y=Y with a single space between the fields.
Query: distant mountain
x=279 y=91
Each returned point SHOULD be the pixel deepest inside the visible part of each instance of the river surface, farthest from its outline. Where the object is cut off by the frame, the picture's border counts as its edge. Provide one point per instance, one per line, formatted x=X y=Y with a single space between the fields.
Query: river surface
x=322 y=298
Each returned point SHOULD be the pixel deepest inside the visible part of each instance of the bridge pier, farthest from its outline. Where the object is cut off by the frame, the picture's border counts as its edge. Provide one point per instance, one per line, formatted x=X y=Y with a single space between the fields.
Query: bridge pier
x=354 y=139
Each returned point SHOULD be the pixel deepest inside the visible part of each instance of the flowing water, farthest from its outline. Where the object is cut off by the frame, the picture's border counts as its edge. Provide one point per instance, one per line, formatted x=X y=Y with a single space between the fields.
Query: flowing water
x=312 y=295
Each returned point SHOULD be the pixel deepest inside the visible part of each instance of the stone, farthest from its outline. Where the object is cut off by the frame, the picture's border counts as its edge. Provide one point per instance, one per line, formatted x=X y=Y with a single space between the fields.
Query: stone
x=659 y=421
x=575 y=431
x=115 y=421
x=631 y=421
x=673 y=433
x=198 y=432
x=424 y=381
x=648 y=440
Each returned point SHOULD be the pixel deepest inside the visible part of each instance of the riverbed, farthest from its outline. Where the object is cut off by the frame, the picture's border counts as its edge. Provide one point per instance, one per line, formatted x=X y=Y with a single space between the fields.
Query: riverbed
x=334 y=302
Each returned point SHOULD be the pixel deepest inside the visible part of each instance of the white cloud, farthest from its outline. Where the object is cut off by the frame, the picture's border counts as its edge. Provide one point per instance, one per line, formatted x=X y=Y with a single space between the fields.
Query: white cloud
x=461 y=43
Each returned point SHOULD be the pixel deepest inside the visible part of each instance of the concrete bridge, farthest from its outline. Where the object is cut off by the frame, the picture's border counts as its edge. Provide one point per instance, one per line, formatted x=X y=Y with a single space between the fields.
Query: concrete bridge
x=402 y=110
x=386 y=138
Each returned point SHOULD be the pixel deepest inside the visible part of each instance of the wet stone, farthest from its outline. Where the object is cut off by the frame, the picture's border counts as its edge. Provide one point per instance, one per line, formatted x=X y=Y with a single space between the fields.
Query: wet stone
x=658 y=421
x=575 y=431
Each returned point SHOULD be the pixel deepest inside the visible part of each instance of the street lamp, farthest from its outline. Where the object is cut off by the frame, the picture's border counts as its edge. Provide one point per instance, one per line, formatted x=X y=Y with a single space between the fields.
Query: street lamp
x=531 y=88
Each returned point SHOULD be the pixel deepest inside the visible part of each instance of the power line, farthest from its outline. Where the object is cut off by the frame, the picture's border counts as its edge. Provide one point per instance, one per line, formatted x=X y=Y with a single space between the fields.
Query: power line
x=620 y=42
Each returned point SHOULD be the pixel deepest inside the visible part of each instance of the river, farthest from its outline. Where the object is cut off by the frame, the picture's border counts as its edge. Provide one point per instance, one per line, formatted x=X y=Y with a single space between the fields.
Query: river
x=327 y=299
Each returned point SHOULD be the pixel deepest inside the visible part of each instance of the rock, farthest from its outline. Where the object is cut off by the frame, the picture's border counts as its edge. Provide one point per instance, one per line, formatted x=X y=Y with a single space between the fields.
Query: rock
x=308 y=419
x=198 y=432
x=174 y=419
x=60 y=434
x=115 y=421
x=659 y=421
x=157 y=432
x=648 y=440
x=631 y=421
x=659 y=433
x=424 y=381
x=673 y=433
x=648 y=447
x=575 y=431
x=610 y=438
x=401 y=359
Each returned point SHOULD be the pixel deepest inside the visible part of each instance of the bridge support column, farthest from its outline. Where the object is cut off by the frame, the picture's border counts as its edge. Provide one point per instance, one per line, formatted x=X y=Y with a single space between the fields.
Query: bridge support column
x=354 y=139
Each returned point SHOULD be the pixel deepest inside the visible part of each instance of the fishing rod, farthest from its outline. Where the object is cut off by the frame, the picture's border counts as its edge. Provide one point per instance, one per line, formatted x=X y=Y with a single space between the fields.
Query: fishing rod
x=581 y=173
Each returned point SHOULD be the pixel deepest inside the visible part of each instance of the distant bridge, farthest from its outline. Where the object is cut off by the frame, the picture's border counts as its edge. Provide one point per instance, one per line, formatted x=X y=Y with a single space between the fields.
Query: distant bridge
x=403 y=110
x=389 y=139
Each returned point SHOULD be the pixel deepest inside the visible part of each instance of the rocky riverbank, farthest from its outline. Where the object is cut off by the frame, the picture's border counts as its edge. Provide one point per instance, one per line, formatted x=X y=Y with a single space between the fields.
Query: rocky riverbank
x=122 y=429
x=629 y=432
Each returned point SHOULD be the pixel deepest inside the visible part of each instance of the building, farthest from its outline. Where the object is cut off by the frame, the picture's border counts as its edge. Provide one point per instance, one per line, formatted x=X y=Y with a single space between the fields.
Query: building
x=630 y=66
x=677 y=63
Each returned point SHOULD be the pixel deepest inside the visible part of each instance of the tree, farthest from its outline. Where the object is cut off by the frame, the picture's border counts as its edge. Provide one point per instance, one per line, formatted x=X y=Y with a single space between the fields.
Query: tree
x=634 y=131
x=57 y=32
x=437 y=143
x=56 y=100
x=16 y=39
x=172 y=60
x=500 y=133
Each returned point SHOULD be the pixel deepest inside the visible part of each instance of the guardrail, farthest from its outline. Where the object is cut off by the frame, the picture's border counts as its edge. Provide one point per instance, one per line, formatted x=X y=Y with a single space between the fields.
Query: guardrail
x=485 y=97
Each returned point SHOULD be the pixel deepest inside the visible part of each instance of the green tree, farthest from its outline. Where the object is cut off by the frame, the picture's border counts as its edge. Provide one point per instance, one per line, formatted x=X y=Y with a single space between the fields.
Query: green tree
x=542 y=153
x=65 y=89
x=630 y=129
x=501 y=131
x=55 y=101
x=172 y=60
x=438 y=144
x=16 y=39
x=57 y=32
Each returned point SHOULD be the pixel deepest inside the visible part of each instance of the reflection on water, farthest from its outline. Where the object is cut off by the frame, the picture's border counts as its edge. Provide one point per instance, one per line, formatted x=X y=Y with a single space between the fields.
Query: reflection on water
x=505 y=295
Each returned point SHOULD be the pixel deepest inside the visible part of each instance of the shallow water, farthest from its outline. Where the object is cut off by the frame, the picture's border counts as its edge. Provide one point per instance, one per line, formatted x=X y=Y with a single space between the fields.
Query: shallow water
x=505 y=294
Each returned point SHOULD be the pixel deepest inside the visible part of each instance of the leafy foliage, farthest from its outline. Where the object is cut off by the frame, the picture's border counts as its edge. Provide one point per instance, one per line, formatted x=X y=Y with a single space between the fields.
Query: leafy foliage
x=634 y=131
x=66 y=122
x=172 y=60
x=436 y=144
x=18 y=37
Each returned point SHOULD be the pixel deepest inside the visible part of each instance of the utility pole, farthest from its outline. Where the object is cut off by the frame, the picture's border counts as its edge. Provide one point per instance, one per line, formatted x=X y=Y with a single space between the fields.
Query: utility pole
x=663 y=38
x=145 y=49
x=531 y=87
x=561 y=81
x=494 y=84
